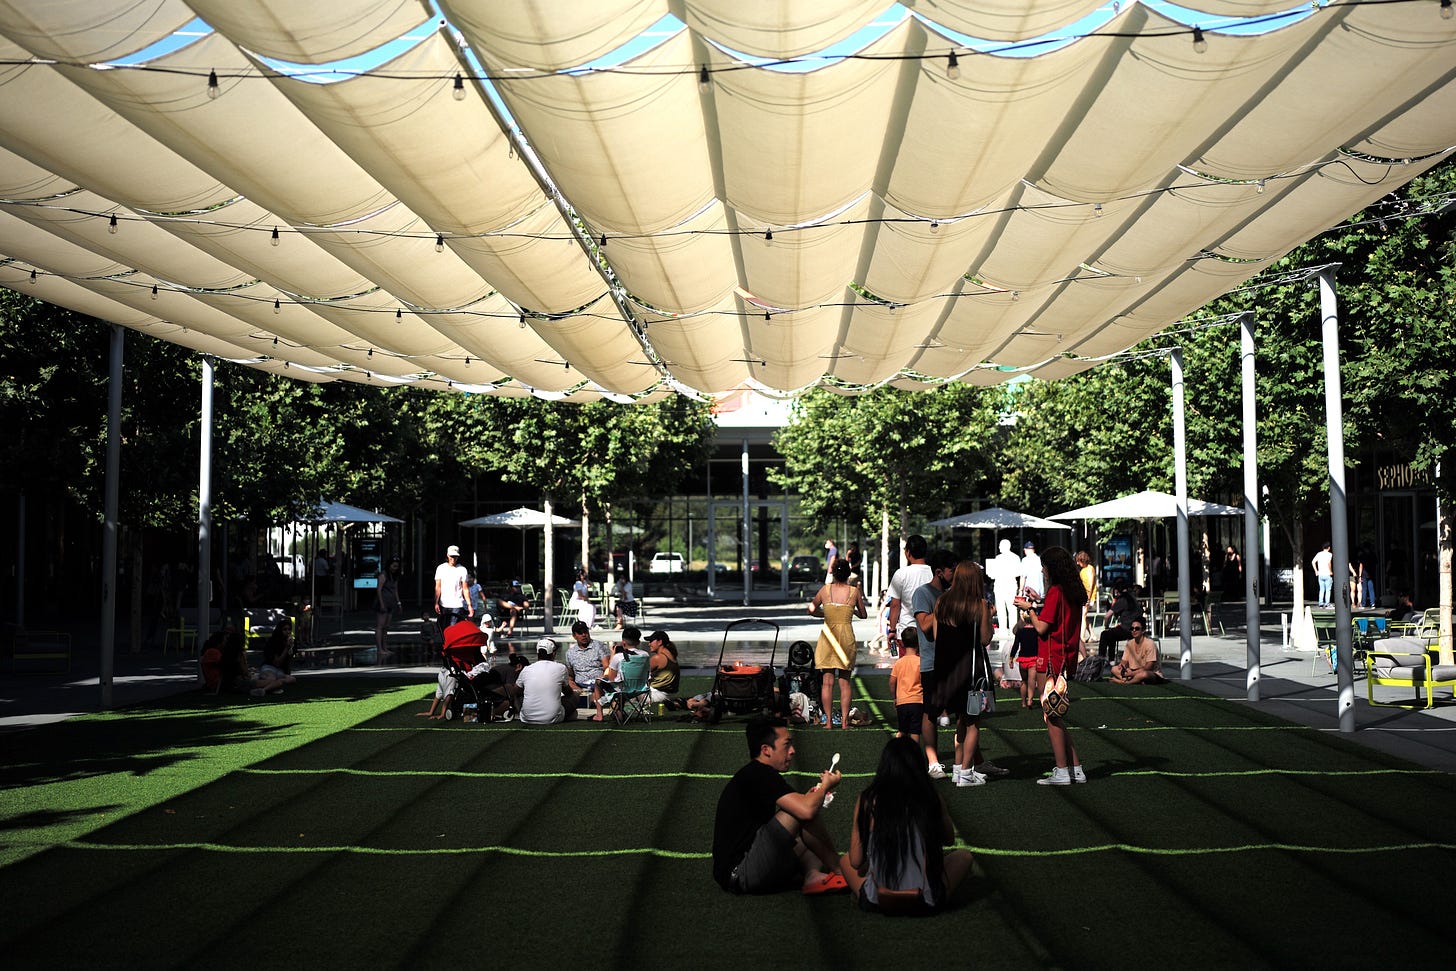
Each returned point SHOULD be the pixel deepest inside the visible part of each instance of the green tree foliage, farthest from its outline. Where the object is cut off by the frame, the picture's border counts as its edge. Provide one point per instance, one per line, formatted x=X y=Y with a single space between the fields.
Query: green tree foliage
x=851 y=456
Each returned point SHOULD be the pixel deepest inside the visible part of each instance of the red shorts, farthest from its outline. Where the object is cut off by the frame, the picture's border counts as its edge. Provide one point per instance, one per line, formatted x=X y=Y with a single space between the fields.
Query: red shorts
x=1027 y=663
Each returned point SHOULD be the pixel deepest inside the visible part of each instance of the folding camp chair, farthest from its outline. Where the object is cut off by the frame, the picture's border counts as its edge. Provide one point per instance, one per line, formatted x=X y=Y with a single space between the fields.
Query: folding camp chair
x=632 y=695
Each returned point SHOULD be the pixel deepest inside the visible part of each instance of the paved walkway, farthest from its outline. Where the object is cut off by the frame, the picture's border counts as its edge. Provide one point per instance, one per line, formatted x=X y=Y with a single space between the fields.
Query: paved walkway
x=1286 y=686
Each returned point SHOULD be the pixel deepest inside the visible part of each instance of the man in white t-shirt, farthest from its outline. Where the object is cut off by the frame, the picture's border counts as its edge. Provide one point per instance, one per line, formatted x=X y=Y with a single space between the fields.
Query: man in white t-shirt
x=909 y=578
x=1004 y=569
x=545 y=687
x=1324 y=571
x=452 y=590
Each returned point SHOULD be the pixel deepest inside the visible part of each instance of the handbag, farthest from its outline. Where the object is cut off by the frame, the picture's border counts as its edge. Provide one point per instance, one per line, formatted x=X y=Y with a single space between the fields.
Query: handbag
x=1055 y=699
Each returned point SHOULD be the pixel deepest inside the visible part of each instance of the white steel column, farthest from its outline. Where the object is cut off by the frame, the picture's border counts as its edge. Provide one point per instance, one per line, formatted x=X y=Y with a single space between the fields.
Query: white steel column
x=1180 y=492
x=204 y=513
x=112 y=504
x=1251 y=510
x=548 y=602
x=1339 y=521
x=747 y=558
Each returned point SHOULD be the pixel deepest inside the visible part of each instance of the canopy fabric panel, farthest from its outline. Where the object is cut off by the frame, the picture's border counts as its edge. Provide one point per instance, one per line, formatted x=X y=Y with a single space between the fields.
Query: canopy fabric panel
x=602 y=199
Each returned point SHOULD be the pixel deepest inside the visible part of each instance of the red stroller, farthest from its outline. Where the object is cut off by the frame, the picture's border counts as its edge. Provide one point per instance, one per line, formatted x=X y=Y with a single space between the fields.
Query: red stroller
x=479 y=689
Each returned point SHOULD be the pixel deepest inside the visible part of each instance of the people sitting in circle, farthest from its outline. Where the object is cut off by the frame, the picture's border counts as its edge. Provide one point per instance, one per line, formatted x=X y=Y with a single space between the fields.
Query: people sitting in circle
x=625 y=606
x=895 y=864
x=1140 y=663
x=547 y=694
x=767 y=836
x=511 y=608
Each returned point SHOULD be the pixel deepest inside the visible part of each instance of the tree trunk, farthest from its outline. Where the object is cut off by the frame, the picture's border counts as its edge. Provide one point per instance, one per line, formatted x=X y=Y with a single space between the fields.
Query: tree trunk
x=1296 y=538
x=585 y=536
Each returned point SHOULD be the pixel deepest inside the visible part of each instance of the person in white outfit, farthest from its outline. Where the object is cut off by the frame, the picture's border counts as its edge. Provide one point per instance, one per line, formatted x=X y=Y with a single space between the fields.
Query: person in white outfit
x=1031 y=575
x=1004 y=569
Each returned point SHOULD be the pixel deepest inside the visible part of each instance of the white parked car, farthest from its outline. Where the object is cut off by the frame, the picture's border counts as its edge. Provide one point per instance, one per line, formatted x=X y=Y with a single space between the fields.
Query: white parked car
x=666 y=563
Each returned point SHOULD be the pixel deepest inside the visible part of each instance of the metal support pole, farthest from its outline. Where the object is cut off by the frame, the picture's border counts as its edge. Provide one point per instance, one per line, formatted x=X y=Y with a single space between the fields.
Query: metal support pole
x=1339 y=521
x=747 y=557
x=548 y=596
x=20 y=561
x=204 y=511
x=1180 y=491
x=1251 y=510
x=112 y=504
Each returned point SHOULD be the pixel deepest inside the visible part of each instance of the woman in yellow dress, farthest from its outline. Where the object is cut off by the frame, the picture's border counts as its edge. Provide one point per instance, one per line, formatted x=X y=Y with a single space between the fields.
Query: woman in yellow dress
x=1088 y=575
x=839 y=602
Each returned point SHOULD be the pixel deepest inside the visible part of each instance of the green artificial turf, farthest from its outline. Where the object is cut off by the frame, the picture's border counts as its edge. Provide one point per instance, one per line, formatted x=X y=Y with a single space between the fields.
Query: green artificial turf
x=344 y=831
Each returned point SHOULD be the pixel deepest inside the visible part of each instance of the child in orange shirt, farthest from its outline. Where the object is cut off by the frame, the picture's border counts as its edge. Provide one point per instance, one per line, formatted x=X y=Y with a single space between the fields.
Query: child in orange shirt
x=905 y=683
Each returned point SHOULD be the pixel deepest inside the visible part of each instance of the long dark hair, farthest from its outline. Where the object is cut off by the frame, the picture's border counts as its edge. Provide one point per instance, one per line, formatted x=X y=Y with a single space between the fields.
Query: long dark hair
x=899 y=803
x=1061 y=572
x=964 y=604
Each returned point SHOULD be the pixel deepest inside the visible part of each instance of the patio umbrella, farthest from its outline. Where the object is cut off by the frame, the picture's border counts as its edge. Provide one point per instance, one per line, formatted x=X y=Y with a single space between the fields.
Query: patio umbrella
x=1148 y=505
x=521 y=518
x=998 y=518
x=342 y=512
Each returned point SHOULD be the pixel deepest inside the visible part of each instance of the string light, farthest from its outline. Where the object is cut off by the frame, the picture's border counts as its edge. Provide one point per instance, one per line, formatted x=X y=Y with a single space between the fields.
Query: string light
x=1015 y=295
x=371 y=353
x=440 y=243
x=111 y=225
x=953 y=67
x=1259 y=187
x=1446 y=10
x=32 y=277
x=1199 y=44
x=768 y=236
x=277 y=307
x=467 y=360
x=522 y=324
x=459 y=90
x=704 y=82
x=935 y=225
x=212 y=89
x=767 y=315
x=603 y=241
x=275 y=340
x=1097 y=210
x=154 y=291
x=399 y=313
x=275 y=239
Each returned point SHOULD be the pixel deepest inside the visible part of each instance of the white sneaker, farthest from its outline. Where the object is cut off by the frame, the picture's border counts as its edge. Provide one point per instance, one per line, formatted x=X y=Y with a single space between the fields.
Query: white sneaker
x=991 y=769
x=1059 y=777
x=936 y=770
x=970 y=778
x=1078 y=775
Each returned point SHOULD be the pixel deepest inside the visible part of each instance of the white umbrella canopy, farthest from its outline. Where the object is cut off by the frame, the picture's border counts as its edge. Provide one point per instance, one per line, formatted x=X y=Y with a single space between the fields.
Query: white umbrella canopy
x=521 y=517
x=998 y=518
x=342 y=512
x=1147 y=505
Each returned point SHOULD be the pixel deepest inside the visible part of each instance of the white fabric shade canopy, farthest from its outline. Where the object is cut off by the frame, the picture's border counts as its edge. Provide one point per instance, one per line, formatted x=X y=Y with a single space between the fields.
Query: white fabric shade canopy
x=342 y=512
x=579 y=233
x=522 y=517
x=997 y=518
x=1148 y=505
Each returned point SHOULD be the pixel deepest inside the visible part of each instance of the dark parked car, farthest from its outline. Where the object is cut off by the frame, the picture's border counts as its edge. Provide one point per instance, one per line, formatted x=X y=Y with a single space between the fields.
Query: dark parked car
x=803 y=569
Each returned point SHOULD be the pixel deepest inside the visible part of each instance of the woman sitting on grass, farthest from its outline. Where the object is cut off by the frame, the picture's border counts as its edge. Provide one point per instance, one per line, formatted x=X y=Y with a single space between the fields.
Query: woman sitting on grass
x=894 y=864
x=237 y=676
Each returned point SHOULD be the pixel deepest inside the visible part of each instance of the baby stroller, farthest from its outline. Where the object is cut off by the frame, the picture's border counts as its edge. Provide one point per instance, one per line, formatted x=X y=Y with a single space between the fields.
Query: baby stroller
x=464 y=657
x=801 y=677
x=745 y=688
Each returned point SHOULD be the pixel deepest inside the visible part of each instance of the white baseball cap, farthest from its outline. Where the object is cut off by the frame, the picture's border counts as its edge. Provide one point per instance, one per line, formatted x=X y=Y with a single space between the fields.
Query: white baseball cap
x=453 y=551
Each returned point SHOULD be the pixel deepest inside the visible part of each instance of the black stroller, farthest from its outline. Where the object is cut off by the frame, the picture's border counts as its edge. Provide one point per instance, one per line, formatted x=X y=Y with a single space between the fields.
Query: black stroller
x=746 y=688
x=801 y=677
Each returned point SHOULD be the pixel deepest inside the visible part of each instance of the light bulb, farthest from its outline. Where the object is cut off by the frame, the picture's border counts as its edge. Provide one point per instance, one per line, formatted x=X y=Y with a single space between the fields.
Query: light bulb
x=111 y=225
x=399 y=313
x=603 y=241
x=273 y=241
x=1015 y=294
x=703 y=80
x=371 y=352
x=522 y=324
x=1097 y=210
x=154 y=291
x=953 y=67
x=467 y=360
x=32 y=277
x=212 y=89
x=440 y=243
x=1259 y=187
x=768 y=236
x=1199 y=44
x=767 y=315
x=277 y=306
x=935 y=226
x=458 y=93
x=1446 y=9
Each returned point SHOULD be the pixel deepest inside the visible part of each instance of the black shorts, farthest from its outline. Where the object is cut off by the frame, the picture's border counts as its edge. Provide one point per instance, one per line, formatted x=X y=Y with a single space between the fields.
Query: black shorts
x=909 y=717
x=770 y=865
x=927 y=687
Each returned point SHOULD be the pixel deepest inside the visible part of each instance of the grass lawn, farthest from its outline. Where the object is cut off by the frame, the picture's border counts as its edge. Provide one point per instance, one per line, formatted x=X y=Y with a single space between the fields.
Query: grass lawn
x=331 y=827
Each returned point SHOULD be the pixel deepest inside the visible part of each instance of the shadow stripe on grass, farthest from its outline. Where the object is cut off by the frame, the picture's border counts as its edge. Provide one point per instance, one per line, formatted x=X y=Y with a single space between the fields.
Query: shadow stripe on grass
x=487 y=774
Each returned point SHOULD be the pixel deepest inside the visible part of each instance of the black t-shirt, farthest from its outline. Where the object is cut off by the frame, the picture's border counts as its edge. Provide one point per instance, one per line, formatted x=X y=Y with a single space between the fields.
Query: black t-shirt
x=1126 y=609
x=748 y=801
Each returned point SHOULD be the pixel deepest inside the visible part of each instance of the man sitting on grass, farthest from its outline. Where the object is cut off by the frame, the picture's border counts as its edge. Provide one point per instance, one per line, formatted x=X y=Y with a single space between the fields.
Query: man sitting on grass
x=546 y=688
x=768 y=837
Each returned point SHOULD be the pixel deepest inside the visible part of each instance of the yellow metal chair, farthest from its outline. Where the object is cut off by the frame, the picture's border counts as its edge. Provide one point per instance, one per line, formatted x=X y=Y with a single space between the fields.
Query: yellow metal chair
x=185 y=634
x=1404 y=662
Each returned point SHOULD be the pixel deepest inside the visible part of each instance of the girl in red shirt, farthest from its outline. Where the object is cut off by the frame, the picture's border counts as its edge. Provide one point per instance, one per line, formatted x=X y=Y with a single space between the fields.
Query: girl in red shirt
x=1059 y=626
